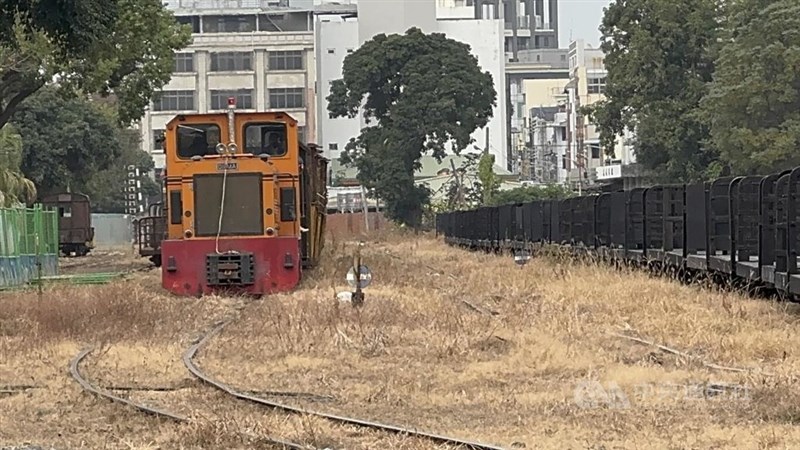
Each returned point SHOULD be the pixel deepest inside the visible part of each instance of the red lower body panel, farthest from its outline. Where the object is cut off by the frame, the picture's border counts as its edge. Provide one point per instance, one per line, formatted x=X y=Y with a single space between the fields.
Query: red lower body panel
x=186 y=269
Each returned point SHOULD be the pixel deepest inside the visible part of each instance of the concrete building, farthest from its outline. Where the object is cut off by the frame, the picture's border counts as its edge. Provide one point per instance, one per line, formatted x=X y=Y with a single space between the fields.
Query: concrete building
x=560 y=144
x=536 y=81
x=339 y=34
x=587 y=163
x=527 y=24
x=259 y=51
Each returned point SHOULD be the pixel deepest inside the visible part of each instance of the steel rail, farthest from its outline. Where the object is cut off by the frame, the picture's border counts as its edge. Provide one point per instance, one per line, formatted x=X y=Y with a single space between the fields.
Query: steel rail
x=74 y=370
x=188 y=361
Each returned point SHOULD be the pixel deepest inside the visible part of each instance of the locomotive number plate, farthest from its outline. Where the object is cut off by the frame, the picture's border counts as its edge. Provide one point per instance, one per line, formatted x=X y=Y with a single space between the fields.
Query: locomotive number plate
x=227 y=166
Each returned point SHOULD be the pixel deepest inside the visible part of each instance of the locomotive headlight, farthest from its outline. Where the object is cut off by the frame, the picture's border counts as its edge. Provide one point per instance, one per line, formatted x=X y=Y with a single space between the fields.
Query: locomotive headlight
x=232 y=148
x=188 y=234
x=220 y=148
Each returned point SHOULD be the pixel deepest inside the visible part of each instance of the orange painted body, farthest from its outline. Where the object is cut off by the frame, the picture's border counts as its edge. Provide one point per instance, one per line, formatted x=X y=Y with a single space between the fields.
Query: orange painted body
x=234 y=219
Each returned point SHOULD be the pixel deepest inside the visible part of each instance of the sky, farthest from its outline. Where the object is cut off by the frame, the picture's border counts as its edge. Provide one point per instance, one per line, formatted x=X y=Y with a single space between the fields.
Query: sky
x=580 y=19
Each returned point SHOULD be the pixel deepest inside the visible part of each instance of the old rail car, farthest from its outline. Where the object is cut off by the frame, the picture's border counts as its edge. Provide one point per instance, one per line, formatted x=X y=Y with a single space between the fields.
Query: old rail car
x=742 y=228
x=75 y=231
x=245 y=204
x=150 y=230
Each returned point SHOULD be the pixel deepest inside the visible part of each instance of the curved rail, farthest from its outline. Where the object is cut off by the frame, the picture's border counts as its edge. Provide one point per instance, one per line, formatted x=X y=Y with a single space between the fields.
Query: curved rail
x=74 y=370
x=190 y=353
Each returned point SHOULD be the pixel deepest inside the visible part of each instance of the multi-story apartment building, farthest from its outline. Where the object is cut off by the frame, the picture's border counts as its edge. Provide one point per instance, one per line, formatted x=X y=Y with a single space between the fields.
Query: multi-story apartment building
x=584 y=158
x=528 y=24
x=561 y=144
x=259 y=51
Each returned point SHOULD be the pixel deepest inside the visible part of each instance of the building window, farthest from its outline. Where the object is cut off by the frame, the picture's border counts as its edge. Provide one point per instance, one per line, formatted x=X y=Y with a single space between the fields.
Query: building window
x=184 y=63
x=331 y=51
x=158 y=140
x=596 y=85
x=595 y=148
x=231 y=61
x=229 y=24
x=244 y=98
x=333 y=146
x=281 y=98
x=174 y=101
x=349 y=50
x=290 y=60
x=192 y=21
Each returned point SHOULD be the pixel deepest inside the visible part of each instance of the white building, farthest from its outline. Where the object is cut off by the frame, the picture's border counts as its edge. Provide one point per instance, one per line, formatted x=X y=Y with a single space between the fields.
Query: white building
x=259 y=51
x=584 y=156
x=337 y=35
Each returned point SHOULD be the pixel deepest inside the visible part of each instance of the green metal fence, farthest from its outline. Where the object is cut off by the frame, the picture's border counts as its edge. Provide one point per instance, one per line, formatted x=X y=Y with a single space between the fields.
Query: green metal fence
x=28 y=244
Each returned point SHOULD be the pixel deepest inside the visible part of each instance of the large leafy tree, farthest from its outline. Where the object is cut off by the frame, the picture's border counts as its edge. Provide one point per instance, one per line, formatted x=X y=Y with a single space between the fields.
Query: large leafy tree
x=660 y=58
x=106 y=187
x=423 y=92
x=754 y=102
x=97 y=46
x=73 y=143
x=66 y=140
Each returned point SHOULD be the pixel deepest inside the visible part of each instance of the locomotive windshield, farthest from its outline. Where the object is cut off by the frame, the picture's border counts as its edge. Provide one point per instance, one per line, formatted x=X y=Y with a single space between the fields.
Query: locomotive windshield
x=268 y=137
x=197 y=140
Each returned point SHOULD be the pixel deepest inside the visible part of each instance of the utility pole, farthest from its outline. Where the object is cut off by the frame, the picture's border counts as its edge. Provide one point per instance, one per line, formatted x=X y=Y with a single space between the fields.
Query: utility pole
x=459 y=200
x=486 y=147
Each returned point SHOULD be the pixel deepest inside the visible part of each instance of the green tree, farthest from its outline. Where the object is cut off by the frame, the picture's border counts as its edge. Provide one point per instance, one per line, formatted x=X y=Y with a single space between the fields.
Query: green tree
x=526 y=194
x=660 y=58
x=425 y=91
x=14 y=187
x=106 y=187
x=754 y=102
x=66 y=140
x=74 y=143
x=124 y=47
x=490 y=182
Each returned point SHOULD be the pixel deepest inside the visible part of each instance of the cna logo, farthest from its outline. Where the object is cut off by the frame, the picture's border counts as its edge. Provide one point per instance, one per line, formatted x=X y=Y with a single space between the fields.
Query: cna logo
x=591 y=394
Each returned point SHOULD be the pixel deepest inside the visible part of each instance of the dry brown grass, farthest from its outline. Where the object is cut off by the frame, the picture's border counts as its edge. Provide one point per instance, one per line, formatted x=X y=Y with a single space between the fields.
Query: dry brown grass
x=417 y=354
x=457 y=343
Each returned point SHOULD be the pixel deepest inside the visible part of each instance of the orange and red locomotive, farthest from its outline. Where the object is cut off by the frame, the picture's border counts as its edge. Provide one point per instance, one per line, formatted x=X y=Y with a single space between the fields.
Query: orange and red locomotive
x=245 y=203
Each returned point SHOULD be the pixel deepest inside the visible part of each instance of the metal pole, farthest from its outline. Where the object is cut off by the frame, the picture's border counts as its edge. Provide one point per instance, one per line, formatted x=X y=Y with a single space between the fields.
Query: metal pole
x=364 y=208
x=358 y=296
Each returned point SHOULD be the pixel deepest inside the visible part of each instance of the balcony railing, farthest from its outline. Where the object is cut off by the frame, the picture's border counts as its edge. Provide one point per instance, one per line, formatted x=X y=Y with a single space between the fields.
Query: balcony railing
x=226 y=4
x=524 y=23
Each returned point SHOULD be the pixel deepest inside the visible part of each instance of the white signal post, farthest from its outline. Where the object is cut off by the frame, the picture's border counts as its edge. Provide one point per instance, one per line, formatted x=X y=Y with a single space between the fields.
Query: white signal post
x=231 y=129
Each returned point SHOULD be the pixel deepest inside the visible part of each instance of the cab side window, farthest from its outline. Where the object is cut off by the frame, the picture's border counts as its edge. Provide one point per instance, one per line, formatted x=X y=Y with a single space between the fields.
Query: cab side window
x=269 y=138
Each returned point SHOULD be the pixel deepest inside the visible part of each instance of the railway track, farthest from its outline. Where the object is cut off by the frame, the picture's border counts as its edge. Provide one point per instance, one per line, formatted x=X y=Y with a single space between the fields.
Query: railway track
x=74 y=369
x=188 y=361
x=189 y=356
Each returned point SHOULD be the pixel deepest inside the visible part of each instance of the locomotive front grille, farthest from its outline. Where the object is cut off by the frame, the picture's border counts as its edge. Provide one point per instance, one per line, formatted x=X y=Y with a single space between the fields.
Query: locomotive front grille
x=236 y=269
x=243 y=213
